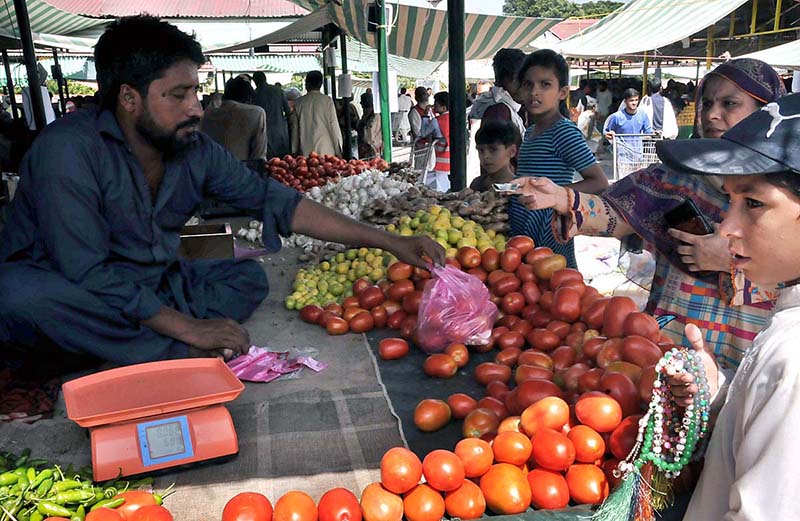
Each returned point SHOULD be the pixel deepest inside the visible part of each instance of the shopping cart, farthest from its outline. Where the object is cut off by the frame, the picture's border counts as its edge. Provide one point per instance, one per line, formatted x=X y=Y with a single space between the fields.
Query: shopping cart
x=421 y=159
x=633 y=152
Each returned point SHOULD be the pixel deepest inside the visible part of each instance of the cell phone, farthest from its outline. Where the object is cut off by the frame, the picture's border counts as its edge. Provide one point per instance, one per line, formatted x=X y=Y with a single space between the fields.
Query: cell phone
x=506 y=188
x=686 y=217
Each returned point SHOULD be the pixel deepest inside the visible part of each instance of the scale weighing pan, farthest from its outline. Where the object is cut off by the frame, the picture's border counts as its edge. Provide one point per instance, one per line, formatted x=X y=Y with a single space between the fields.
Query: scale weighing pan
x=151 y=416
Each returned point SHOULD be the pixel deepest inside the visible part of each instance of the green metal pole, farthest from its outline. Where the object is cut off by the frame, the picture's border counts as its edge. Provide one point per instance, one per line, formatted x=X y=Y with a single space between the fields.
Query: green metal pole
x=383 y=82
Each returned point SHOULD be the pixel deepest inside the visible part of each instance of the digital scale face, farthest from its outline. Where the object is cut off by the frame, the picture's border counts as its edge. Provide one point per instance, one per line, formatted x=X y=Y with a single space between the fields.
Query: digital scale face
x=157 y=415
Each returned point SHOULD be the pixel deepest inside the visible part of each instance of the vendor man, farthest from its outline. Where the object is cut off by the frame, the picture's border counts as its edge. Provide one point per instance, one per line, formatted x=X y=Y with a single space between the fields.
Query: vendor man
x=88 y=257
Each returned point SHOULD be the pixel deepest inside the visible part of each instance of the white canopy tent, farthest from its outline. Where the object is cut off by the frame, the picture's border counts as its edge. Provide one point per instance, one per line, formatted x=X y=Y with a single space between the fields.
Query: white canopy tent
x=786 y=56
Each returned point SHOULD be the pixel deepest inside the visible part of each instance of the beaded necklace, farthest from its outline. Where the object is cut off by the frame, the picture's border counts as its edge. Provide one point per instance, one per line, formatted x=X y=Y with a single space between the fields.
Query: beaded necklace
x=665 y=443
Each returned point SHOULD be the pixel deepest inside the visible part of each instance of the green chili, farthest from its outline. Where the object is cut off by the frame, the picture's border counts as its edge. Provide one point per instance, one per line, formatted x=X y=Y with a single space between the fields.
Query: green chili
x=23 y=458
x=43 y=475
x=67 y=484
x=108 y=503
x=49 y=508
x=8 y=478
x=36 y=516
x=44 y=487
x=73 y=496
x=79 y=515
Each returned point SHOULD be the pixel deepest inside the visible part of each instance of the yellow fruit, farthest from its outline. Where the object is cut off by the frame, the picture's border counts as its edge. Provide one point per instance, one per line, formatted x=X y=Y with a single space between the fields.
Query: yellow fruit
x=451 y=253
x=391 y=228
x=457 y=222
x=406 y=232
x=491 y=233
x=435 y=209
x=454 y=236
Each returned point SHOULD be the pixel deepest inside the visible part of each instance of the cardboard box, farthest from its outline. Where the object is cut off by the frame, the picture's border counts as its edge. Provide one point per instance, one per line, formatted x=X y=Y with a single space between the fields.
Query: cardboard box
x=207 y=241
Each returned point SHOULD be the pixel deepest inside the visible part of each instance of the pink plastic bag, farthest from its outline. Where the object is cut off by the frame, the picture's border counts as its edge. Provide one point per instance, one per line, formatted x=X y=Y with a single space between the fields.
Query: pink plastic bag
x=455 y=308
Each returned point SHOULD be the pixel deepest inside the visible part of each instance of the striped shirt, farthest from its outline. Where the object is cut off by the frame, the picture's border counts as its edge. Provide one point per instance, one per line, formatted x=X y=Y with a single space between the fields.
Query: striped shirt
x=558 y=154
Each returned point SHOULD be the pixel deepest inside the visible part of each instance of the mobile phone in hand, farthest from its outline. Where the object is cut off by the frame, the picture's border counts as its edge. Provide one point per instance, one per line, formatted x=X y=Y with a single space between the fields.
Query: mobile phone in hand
x=687 y=218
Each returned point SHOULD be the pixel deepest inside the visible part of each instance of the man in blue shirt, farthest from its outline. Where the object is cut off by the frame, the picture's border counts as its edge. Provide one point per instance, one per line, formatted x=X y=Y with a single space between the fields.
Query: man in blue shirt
x=88 y=258
x=628 y=121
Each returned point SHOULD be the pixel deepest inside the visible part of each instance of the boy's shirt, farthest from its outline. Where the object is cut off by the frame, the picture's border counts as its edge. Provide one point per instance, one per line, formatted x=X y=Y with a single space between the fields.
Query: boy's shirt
x=484 y=182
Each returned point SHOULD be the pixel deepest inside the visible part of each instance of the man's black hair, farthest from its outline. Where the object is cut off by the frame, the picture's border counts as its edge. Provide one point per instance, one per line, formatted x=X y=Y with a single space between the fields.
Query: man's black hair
x=239 y=89
x=583 y=83
x=548 y=59
x=497 y=131
x=403 y=90
x=443 y=99
x=135 y=50
x=630 y=93
x=366 y=100
x=259 y=78
x=314 y=80
x=653 y=85
x=421 y=95
x=506 y=65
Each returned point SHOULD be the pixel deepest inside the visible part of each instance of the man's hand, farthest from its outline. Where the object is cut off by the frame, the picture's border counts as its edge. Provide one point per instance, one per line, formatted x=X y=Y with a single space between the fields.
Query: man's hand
x=538 y=193
x=418 y=251
x=681 y=383
x=703 y=252
x=610 y=135
x=218 y=336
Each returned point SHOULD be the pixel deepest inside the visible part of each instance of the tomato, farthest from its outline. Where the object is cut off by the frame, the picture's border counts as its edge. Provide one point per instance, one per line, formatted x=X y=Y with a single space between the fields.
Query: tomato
x=510 y=424
x=642 y=324
x=465 y=502
x=506 y=489
x=563 y=357
x=566 y=304
x=480 y=422
x=151 y=513
x=443 y=470
x=105 y=514
x=601 y=413
x=495 y=275
x=411 y=302
x=359 y=286
x=468 y=257
x=550 y=412
x=423 y=503
x=531 y=292
x=623 y=390
x=537 y=358
x=524 y=372
x=431 y=415
x=546 y=302
x=371 y=297
x=461 y=404
x=594 y=313
x=522 y=243
x=510 y=259
x=351 y=311
x=134 y=500
x=497 y=389
x=362 y=322
x=587 y=484
x=489 y=371
x=295 y=506
x=545 y=267
x=392 y=307
x=336 y=326
x=440 y=365
x=401 y=470
x=511 y=447
x=634 y=372
x=452 y=262
x=310 y=314
x=610 y=352
x=590 y=380
x=339 y=504
x=379 y=316
x=513 y=303
x=559 y=327
x=522 y=327
x=646 y=383
x=549 y=489
x=559 y=277
x=552 y=450
x=396 y=319
x=494 y=405
x=476 y=456
x=640 y=351
x=543 y=339
x=479 y=273
x=569 y=378
x=512 y=339
x=539 y=252
x=531 y=391
x=400 y=289
x=505 y=285
x=409 y=326
x=378 y=504
x=623 y=438
x=247 y=506
x=541 y=317
x=614 y=317
x=459 y=353
x=589 y=445
x=525 y=273
x=508 y=356
x=334 y=308
x=399 y=271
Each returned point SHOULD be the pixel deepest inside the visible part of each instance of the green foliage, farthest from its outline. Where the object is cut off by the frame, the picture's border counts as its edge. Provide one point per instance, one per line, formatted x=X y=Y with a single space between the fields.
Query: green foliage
x=558 y=8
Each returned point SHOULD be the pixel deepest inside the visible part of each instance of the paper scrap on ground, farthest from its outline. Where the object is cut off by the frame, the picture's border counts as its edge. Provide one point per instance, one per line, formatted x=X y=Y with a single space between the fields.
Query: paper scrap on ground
x=262 y=365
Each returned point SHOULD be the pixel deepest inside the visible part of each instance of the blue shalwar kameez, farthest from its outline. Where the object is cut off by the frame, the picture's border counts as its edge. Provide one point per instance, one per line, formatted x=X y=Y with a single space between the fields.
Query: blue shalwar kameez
x=87 y=255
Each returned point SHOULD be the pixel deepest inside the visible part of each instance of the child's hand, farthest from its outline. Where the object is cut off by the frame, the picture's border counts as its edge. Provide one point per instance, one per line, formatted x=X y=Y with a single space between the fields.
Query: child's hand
x=540 y=192
x=703 y=252
x=681 y=383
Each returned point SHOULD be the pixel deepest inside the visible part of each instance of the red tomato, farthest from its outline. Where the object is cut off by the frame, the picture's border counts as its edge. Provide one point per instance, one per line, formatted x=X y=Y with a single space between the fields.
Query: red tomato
x=247 y=506
x=552 y=450
x=310 y=314
x=494 y=405
x=640 y=351
x=523 y=243
x=295 y=506
x=490 y=260
x=641 y=324
x=465 y=502
x=512 y=339
x=511 y=447
x=623 y=438
x=370 y=297
x=589 y=445
x=443 y=470
x=545 y=267
x=550 y=412
x=508 y=356
x=459 y=353
x=559 y=327
x=505 y=285
x=478 y=273
x=396 y=319
x=510 y=259
x=476 y=455
x=339 y=504
x=531 y=391
x=531 y=292
x=479 y=423
x=594 y=313
x=351 y=311
x=587 y=484
x=524 y=372
x=378 y=504
x=549 y=489
x=440 y=365
x=567 y=274
x=401 y=470
x=623 y=390
x=537 y=358
x=543 y=339
x=614 y=317
x=362 y=322
x=646 y=383
x=461 y=405
x=411 y=302
x=539 y=252
x=513 y=303
x=400 y=289
x=399 y=271
x=151 y=513
x=468 y=257
x=610 y=352
x=489 y=371
x=506 y=489
x=423 y=503
x=563 y=357
x=134 y=500
x=431 y=415
x=525 y=273
x=590 y=380
x=601 y=413
x=359 y=286
x=497 y=389
x=379 y=316
x=105 y=514
x=566 y=304
x=336 y=326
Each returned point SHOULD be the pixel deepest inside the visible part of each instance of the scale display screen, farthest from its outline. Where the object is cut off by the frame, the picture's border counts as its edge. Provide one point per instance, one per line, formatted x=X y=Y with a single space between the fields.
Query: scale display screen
x=166 y=440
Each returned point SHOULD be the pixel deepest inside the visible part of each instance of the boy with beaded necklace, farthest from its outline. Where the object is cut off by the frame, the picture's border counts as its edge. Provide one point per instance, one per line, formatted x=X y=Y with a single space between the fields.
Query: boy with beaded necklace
x=752 y=458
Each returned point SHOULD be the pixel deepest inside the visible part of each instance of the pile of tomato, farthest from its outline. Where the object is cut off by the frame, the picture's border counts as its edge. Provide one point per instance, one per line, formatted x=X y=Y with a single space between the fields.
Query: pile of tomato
x=303 y=173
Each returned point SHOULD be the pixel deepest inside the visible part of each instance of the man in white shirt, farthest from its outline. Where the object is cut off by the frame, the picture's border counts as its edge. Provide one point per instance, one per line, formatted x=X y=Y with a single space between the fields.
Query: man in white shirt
x=659 y=110
x=404 y=105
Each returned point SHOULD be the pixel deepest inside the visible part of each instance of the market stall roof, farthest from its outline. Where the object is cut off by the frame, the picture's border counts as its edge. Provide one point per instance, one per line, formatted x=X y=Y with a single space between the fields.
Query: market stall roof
x=786 y=56
x=644 y=25
x=294 y=63
x=304 y=25
x=363 y=58
x=181 y=8
x=47 y=19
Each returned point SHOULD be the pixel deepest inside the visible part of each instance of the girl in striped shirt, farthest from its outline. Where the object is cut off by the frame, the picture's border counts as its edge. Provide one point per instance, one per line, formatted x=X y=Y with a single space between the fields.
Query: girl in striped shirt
x=552 y=147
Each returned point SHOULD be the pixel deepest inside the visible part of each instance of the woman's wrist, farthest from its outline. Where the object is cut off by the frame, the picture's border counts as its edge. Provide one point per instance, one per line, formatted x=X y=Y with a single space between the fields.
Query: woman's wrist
x=563 y=201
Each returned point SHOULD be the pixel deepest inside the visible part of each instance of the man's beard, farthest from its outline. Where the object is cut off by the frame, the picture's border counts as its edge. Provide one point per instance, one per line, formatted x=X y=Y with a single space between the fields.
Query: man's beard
x=166 y=142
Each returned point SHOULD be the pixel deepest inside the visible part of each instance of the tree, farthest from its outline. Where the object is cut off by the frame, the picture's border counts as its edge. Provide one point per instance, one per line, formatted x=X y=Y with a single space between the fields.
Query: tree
x=558 y=8
x=600 y=7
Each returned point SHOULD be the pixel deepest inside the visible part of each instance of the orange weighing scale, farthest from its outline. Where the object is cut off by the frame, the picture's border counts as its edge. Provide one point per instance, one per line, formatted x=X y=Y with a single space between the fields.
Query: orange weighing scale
x=156 y=415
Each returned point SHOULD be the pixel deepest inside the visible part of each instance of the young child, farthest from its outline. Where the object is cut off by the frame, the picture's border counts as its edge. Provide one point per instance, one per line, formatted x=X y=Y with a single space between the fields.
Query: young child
x=497 y=142
x=752 y=458
x=553 y=147
x=438 y=128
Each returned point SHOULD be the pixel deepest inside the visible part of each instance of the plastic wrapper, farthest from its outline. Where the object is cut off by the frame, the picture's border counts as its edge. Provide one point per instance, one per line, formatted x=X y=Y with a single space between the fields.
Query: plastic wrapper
x=262 y=365
x=455 y=308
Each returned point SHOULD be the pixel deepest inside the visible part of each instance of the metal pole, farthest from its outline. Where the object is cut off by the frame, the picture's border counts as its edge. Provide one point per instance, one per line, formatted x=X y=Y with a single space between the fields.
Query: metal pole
x=216 y=81
x=753 y=17
x=10 y=86
x=348 y=146
x=383 y=82
x=709 y=46
x=29 y=52
x=644 y=75
x=458 y=94
x=778 y=8
x=59 y=79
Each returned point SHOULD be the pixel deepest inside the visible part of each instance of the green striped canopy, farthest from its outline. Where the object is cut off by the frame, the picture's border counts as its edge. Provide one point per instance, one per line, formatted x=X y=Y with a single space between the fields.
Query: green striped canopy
x=46 y=19
x=644 y=25
x=786 y=56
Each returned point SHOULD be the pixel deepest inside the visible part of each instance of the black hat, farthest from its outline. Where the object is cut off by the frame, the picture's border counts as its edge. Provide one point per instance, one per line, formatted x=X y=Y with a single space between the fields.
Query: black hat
x=765 y=142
